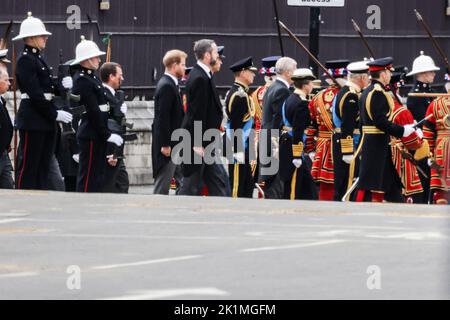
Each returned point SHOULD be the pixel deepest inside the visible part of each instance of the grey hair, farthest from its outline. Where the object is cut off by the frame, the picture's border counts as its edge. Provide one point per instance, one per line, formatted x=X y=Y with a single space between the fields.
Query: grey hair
x=201 y=47
x=354 y=76
x=285 y=64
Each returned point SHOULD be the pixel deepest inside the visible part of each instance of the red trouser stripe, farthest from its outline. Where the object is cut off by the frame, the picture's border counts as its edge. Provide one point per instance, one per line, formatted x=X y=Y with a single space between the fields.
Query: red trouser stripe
x=86 y=184
x=19 y=184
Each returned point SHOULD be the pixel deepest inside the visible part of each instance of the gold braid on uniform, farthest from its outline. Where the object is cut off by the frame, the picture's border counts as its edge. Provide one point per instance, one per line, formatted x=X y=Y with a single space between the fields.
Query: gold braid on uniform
x=347 y=145
x=297 y=150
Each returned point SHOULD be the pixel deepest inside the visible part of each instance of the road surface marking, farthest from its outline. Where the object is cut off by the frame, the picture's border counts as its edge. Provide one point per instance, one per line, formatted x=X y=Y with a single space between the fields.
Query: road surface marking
x=18 y=275
x=143 y=263
x=293 y=246
x=410 y=236
x=169 y=293
x=11 y=220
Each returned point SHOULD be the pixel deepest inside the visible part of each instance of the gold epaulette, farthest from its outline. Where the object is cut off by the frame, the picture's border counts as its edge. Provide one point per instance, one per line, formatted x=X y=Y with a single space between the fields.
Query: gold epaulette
x=347 y=145
x=297 y=150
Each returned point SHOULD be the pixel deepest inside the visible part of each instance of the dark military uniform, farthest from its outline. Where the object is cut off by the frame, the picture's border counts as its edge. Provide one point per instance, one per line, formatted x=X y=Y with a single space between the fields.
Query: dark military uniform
x=377 y=173
x=345 y=137
x=298 y=182
x=36 y=120
x=93 y=132
x=240 y=112
x=418 y=107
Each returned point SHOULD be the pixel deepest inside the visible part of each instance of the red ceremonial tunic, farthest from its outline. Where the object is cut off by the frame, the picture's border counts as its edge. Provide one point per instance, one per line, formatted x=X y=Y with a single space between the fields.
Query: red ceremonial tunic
x=319 y=135
x=407 y=171
x=437 y=133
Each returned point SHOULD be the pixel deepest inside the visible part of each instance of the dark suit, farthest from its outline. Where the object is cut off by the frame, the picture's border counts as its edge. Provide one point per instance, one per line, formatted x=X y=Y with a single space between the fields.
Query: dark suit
x=6 y=134
x=116 y=178
x=36 y=120
x=273 y=101
x=168 y=118
x=204 y=106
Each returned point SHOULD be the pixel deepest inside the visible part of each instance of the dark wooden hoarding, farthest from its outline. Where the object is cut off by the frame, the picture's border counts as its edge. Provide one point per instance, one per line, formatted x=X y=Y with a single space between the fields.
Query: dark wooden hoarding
x=143 y=30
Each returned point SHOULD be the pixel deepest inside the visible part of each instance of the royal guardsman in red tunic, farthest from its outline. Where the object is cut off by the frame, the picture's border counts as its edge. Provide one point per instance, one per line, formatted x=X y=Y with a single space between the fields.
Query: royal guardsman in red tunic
x=295 y=172
x=240 y=111
x=347 y=134
x=437 y=133
x=403 y=149
x=378 y=180
x=321 y=128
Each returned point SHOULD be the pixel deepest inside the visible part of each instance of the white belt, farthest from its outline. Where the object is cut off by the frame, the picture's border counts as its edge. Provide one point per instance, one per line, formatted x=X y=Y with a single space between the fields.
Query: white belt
x=104 y=107
x=48 y=96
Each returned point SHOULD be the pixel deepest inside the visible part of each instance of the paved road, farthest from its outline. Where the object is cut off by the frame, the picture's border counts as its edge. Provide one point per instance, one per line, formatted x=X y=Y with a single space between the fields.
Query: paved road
x=154 y=247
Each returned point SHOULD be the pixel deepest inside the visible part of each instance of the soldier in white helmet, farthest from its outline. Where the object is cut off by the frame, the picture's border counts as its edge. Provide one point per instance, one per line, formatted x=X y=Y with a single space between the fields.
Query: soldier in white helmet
x=424 y=71
x=37 y=114
x=93 y=133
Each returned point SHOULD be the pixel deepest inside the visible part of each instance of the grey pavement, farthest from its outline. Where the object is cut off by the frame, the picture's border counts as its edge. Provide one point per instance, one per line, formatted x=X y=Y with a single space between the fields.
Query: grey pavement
x=137 y=246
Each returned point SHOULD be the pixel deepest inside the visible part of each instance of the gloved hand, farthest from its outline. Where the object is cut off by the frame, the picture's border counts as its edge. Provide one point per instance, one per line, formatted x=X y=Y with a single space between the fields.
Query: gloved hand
x=297 y=163
x=76 y=158
x=419 y=133
x=347 y=158
x=67 y=83
x=430 y=162
x=311 y=155
x=116 y=139
x=124 y=108
x=409 y=129
x=63 y=116
x=239 y=157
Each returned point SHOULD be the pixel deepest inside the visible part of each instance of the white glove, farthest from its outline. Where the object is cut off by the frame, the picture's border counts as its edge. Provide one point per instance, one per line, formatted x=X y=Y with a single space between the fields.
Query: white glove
x=239 y=157
x=76 y=158
x=297 y=163
x=116 y=139
x=347 y=158
x=311 y=155
x=409 y=129
x=67 y=83
x=429 y=162
x=124 y=108
x=64 y=116
x=419 y=133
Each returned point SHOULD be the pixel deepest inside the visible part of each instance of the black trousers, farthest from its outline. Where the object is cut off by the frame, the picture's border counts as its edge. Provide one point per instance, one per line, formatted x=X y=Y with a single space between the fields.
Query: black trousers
x=116 y=178
x=6 y=179
x=241 y=180
x=92 y=166
x=301 y=186
x=34 y=156
x=215 y=178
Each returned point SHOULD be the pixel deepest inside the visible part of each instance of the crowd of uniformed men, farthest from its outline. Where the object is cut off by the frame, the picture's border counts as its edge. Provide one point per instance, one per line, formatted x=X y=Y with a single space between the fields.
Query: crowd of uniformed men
x=356 y=139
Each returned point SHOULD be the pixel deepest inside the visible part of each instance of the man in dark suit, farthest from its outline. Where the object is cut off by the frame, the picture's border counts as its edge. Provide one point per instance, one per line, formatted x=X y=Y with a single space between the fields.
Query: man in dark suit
x=6 y=133
x=116 y=175
x=273 y=101
x=204 y=110
x=169 y=115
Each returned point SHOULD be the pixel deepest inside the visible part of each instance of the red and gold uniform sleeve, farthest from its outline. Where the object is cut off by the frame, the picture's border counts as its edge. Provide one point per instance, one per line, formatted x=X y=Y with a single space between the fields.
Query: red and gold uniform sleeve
x=429 y=128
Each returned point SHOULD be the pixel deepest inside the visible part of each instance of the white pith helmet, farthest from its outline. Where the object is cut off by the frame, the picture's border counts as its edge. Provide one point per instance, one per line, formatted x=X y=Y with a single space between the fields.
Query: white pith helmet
x=422 y=64
x=31 y=27
x=85 y=50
